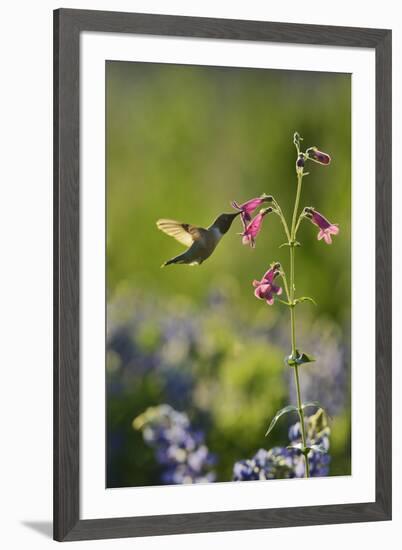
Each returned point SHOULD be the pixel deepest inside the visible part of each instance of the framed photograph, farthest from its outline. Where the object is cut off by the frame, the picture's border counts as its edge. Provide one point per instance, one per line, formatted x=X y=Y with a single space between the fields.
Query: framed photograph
x=222 y=275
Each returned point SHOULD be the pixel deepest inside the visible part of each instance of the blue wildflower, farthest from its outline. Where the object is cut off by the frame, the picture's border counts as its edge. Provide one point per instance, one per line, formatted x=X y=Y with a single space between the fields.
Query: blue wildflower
x=273 y=464
x=178 y=447
x=285 y=462
x=318 y=433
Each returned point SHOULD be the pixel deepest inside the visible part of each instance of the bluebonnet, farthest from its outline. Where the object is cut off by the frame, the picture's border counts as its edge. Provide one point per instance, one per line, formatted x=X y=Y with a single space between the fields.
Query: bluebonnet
x=143 y=341
x=178 y=447
x=183 y=340
x=161 y=352
x=277 y=463
x=318 y=433
x=288 y=462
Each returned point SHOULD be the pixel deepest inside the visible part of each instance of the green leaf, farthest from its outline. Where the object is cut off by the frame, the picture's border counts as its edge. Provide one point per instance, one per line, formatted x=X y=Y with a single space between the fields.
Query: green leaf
x=299 y=447
x=288 y=244
x=300 y=359
x=305 y=358
x=305 y=299
x=319 y=407
x=296 y=447
x=312 y=404
x=318 y=448
x=305 y=450
x=289 y=360
x=285 y=410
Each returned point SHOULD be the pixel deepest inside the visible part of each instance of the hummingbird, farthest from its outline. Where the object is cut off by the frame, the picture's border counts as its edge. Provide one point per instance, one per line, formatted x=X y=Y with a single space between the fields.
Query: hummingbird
x=200 y=242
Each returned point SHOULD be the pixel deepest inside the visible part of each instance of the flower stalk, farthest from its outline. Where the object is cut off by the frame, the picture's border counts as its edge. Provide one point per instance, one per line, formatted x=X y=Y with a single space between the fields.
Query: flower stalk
x=267 y=289
x=293 y=318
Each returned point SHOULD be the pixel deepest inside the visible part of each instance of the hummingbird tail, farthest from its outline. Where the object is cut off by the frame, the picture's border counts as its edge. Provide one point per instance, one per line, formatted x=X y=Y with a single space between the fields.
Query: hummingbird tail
x=181 y=259
x=176 y=260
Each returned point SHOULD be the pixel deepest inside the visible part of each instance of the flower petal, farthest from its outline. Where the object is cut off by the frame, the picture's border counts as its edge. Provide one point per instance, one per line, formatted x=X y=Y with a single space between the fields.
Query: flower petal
x=258 y=293
x=245 y=219
x=251 y=205
x=254 y=226
x=277 y=289
x=269 y=276
x=319 y=220
x=264 y=291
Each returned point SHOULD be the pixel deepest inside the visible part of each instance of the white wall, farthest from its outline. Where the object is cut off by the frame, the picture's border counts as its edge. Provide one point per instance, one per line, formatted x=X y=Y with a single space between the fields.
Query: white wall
x=25 y=287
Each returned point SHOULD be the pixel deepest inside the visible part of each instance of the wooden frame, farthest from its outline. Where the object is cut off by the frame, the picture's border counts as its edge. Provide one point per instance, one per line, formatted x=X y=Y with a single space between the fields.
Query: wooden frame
x=68 y=24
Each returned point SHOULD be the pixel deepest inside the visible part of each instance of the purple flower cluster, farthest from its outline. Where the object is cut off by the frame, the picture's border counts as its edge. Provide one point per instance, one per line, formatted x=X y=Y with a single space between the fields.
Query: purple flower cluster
x=318 y=461
x=266 y=289
x=178 y=447
x=277 y=463
x=252 y=226
x=150 y=344
x=288 y=462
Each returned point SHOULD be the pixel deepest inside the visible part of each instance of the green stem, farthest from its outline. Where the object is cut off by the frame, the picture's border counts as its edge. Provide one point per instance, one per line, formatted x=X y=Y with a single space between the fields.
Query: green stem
x=302 y=215
x=293 y=319
x=301 y=415
x=279 y=212
x=296 y=208
x=285 y=282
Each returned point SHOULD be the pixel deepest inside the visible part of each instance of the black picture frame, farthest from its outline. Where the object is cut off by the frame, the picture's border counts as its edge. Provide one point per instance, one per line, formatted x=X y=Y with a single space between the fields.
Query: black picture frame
x=68 y=24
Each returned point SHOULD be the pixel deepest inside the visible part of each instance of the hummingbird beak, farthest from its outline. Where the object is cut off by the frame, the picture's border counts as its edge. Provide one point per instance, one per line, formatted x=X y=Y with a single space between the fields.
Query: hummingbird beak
x=224 y=221
x=232 y=217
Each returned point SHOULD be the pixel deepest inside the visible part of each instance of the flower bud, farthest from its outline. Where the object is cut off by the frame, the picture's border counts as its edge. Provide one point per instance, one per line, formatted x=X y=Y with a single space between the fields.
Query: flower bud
x=297 y=139
x=300 y=161
x=318 y=156
x=265 y=211
x=267 y=198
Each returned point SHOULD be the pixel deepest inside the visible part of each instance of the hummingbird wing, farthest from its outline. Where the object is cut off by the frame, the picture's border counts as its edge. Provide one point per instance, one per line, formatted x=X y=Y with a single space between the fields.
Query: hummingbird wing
x=185 y=233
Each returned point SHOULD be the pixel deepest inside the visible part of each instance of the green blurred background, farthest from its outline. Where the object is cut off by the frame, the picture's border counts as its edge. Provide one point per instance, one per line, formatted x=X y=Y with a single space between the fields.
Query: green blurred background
x=182 y=142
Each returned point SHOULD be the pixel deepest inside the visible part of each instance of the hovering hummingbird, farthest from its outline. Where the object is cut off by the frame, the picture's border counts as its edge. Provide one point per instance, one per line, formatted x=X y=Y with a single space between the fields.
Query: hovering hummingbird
x=200 y=242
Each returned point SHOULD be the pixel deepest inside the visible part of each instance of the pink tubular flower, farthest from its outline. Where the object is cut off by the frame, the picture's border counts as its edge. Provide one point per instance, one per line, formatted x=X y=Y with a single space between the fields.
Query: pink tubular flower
x=266 y=289
x=254 y=227
x=326 y=227
x=247 y=208
x=318 y=156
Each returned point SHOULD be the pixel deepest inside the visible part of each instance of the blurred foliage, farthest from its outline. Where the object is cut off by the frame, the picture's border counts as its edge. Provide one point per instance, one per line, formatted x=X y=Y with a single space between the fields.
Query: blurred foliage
x=182 y=142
